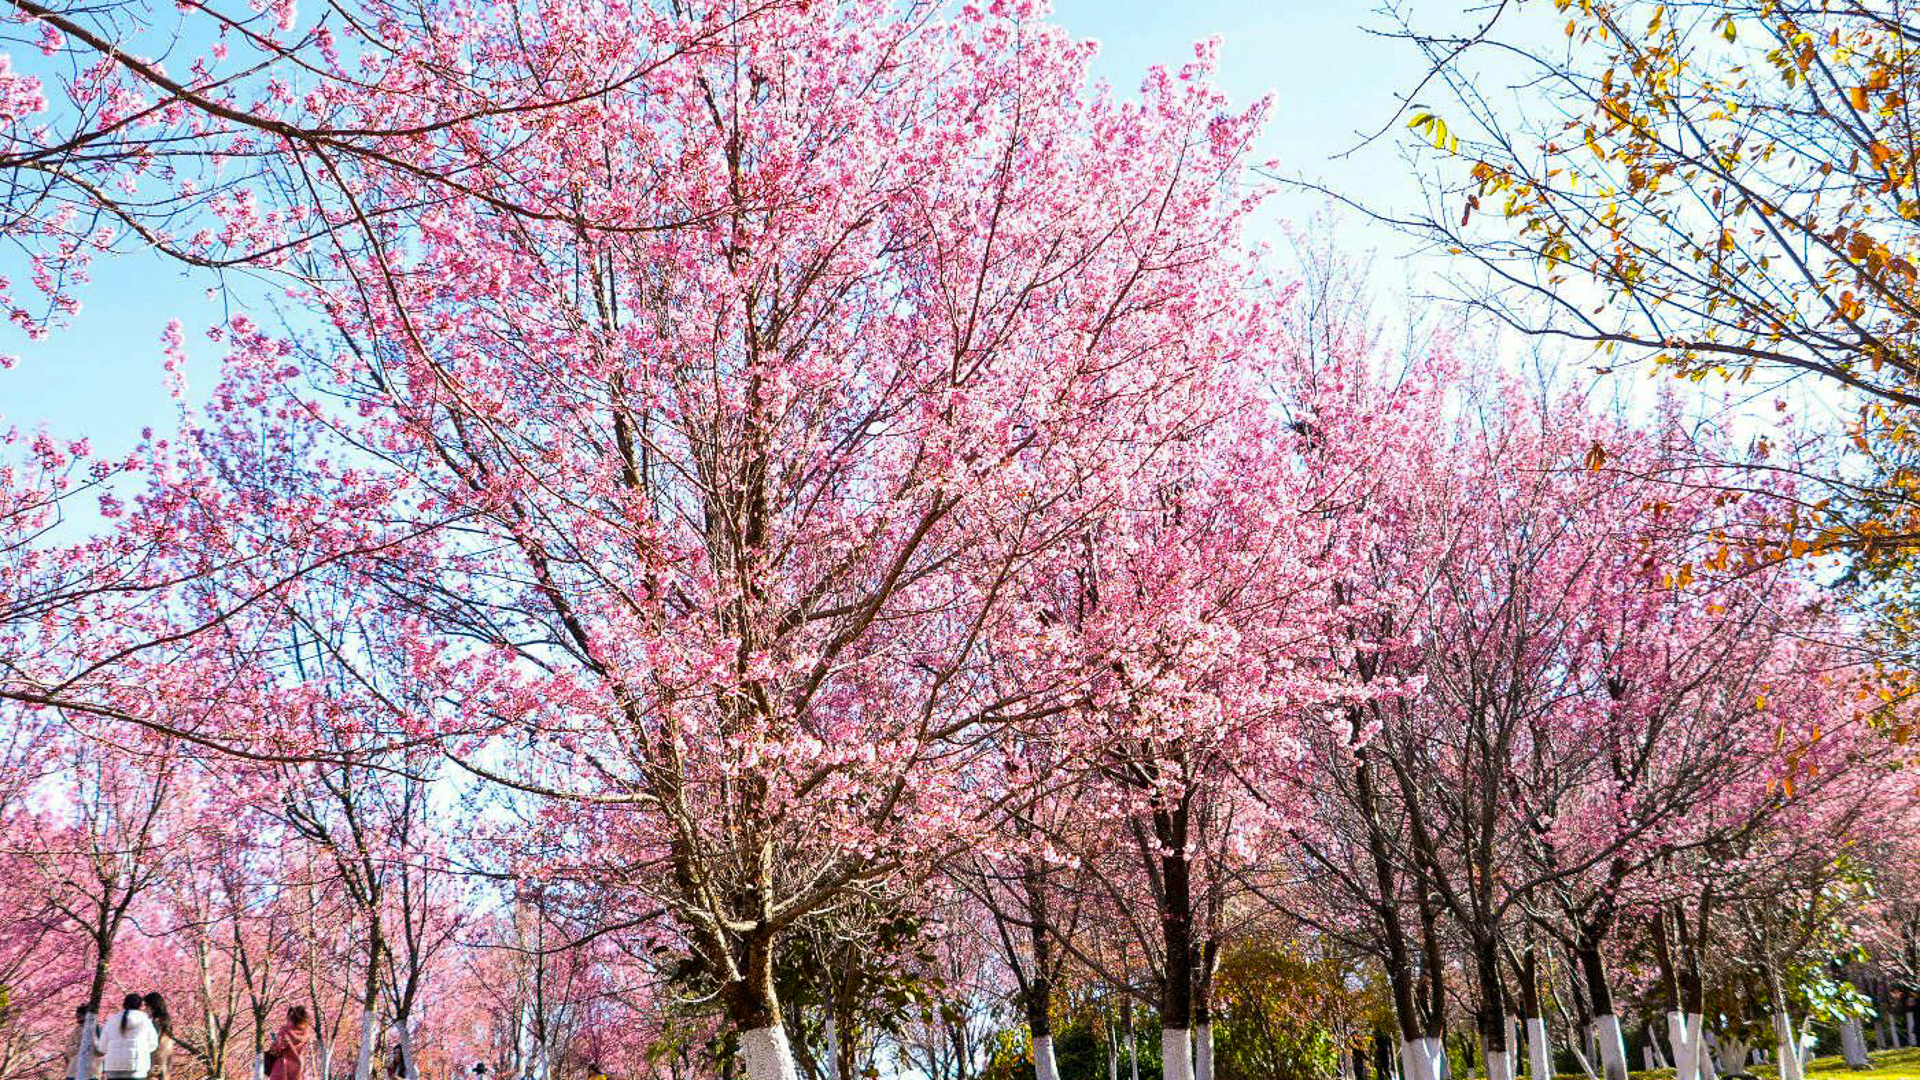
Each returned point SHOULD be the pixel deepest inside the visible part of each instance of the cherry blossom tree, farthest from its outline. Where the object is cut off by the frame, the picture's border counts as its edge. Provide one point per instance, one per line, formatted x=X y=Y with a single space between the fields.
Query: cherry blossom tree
x=724 y=574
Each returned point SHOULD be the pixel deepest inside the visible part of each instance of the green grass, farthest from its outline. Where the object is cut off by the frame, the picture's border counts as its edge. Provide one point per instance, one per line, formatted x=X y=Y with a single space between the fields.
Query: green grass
x=1887 y=1065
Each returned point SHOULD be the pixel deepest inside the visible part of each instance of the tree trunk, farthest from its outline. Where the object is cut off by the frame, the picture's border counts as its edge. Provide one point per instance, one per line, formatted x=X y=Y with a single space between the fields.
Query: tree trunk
x=1424 y=1058
x=369 y=1027
x=86 y=1044
x=1133 y=1045
x=1045 y=1067
x=1788 y=1043
x=1539 y=1050
x=1495 y=1031
x=754 y=1010
x=1734 y=1054
x=1606 y=1026
x=1203 y=1016
x=1398 y=958
x=1684 y=1033
x=1176 y=934
x=1853 y=1043
x=1040 y=982
x=408 y=1067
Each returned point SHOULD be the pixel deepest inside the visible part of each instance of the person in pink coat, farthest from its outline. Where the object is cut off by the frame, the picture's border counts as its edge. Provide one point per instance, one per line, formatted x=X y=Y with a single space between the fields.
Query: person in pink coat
x=289 y=1046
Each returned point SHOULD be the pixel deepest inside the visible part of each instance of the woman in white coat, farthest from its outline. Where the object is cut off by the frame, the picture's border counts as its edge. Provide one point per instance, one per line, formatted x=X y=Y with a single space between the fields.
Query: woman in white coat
x=129 y=1040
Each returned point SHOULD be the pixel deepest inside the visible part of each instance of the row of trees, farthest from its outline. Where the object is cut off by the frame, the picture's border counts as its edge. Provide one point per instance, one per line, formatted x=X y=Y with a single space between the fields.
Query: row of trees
x=777 y=526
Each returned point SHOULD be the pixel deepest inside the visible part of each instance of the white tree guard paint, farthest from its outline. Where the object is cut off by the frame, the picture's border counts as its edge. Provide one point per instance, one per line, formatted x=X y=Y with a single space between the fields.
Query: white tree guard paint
x=767 y=1054
x=259 y=1066
x=1176 y=1053
x=1787 y=1043
x=1580 y=1059
x=1133 y=1046
x=1733 y=1056
x=1423 y=1058
x=1499 y=1063
x=1613 y=1048
x=1203 y=1052
x=1683 y=1034
x=406 y=1051
x=1853 y=1043
x=1539 y=1050
x=85 y=1050
x=363 y=1060
x=833 y=1053
x=1045 y=1066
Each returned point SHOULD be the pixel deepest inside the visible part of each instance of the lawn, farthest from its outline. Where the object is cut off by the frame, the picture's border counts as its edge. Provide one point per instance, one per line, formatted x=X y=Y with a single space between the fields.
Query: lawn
x=1890 y=1064
x=1887 y=1065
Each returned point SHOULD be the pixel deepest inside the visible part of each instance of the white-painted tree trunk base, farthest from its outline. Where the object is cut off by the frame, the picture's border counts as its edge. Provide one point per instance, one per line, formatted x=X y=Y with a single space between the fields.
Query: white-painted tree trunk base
x=1423 y=1058
x=363 y=1058
x=1176 y=1053
x=411 y=1069
x=1539 y=1050
x=1045 y=1066
x=85 y=1050
x=1787 y=1043
x=1203 y=1052
x=1734 y=1055
x=833 y=1052
x=1580 y=1058
x=767 y=1055
x=259 y=1067
x=1684 y=1032
x=1853 y=1043
x=1613 y=1048
x=1499 y=1063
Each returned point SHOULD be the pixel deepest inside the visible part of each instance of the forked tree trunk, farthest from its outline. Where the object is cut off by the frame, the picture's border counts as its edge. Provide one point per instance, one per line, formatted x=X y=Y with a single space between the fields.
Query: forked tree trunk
x=1424 y=1058
x=1734 y=1055
x=1685 y=1030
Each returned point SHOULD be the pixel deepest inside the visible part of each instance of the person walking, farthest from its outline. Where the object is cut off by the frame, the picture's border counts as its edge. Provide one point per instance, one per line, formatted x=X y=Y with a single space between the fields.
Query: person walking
x=86 y=1034
x=163 y=1027
x=129 y=1041
x=284 y=1057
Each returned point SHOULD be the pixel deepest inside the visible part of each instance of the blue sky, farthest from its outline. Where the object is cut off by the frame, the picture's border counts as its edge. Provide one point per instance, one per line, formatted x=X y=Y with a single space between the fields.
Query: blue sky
x=101 y=377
